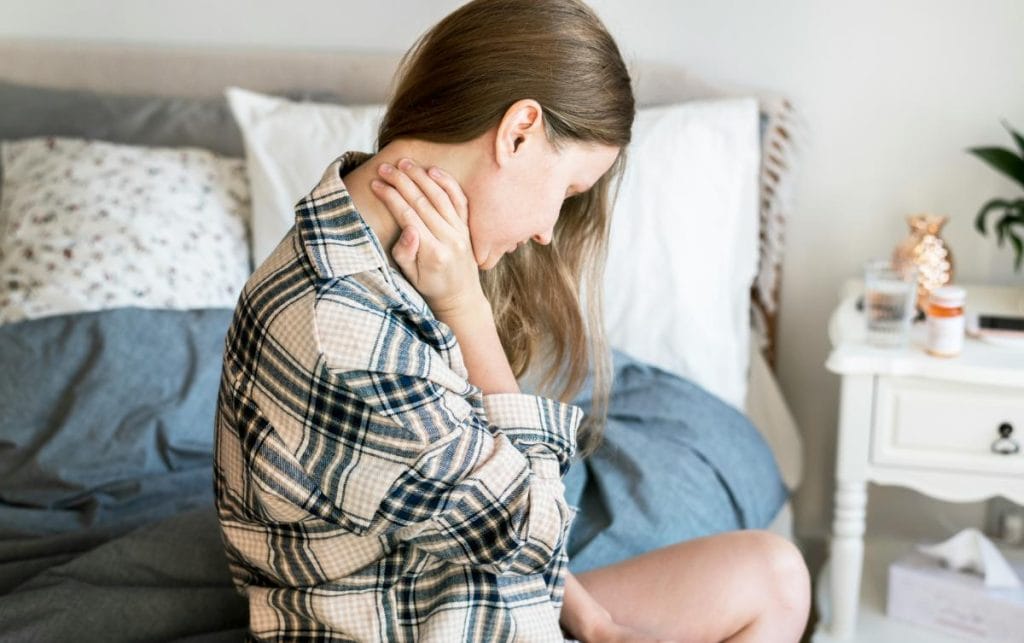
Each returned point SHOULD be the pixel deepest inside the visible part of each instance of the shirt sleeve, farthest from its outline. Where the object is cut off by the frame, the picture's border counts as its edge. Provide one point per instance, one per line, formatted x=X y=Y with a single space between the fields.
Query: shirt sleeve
x=532 y=422
x=486 y=489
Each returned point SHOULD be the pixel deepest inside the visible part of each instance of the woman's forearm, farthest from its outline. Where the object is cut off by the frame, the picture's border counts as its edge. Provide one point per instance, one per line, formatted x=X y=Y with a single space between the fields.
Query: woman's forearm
x=482 y=352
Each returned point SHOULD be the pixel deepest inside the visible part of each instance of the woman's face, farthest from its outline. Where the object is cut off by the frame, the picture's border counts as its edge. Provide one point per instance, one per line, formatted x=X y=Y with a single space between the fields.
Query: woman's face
x=520 y=202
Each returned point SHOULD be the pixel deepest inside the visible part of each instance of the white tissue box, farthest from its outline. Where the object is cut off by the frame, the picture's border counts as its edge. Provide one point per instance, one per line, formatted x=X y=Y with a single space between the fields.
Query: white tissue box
x=924 y=592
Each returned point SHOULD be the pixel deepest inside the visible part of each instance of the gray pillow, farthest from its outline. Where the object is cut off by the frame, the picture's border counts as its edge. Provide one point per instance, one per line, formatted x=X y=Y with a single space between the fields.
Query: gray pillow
x=138 y=120
x=167 y=121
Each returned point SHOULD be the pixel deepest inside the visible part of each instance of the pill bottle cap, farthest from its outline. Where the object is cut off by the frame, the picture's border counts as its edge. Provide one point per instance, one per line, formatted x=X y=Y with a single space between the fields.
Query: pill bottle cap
x=948 y=296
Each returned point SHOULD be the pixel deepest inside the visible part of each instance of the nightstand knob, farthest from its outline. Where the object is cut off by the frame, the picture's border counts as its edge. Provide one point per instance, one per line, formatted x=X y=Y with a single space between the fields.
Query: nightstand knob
x=1005 y=445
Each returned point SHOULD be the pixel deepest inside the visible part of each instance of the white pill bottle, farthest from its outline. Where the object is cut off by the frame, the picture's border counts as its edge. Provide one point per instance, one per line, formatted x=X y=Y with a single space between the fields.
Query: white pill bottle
x=946 y=321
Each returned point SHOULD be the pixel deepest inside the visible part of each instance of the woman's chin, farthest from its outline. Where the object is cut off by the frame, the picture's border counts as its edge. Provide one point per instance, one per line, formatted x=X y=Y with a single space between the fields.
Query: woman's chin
x=490 y=261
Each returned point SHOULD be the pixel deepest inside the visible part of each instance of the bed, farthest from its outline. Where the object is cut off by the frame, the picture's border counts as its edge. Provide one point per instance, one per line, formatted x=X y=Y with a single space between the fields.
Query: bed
x=114 y=153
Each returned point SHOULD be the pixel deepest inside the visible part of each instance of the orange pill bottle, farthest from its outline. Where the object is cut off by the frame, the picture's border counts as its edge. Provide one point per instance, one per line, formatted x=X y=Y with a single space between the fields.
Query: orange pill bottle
x=946 y=321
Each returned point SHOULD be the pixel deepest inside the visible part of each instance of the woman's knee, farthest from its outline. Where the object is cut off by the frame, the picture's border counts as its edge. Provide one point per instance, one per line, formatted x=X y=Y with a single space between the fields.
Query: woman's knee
x=787 y=571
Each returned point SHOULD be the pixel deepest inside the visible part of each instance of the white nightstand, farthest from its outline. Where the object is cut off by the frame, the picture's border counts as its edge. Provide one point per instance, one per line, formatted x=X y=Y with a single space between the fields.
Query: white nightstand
x=907 y=418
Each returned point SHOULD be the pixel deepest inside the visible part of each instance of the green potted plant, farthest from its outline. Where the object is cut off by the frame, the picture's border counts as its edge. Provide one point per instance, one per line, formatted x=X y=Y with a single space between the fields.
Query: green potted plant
x=1011 y=224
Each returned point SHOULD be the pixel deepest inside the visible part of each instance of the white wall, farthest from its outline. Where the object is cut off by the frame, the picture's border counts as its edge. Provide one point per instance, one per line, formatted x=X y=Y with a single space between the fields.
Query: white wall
x=892 y=92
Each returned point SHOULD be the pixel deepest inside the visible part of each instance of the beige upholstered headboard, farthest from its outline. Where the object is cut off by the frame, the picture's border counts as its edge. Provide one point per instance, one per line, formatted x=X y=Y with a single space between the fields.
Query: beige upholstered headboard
x=360 y=77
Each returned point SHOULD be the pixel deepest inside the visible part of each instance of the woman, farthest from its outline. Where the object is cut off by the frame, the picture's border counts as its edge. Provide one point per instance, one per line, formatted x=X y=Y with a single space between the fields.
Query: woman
x=380 y=476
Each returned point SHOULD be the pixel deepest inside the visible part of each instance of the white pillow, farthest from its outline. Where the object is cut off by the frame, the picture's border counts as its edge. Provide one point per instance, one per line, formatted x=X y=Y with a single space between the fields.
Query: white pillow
x=288 y=145
x=89 y=225
x=683 y=246
x=683 y=249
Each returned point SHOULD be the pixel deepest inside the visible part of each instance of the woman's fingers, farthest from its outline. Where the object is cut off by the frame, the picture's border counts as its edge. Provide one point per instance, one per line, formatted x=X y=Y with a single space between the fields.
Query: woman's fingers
x=431 y=188
x=404 y=213
x=404 y=251
x=454 y=191
x=401 y=180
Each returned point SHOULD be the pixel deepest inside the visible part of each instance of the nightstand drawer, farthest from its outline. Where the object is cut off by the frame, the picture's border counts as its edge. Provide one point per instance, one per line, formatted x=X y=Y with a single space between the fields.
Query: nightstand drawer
x=948 y=426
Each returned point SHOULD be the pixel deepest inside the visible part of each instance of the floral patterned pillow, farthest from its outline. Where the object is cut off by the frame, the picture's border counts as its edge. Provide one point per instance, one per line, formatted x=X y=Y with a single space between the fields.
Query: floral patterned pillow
x=89 y=225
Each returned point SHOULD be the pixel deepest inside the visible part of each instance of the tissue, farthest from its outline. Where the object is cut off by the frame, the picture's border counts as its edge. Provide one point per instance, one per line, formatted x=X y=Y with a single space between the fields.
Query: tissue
x=971 y=551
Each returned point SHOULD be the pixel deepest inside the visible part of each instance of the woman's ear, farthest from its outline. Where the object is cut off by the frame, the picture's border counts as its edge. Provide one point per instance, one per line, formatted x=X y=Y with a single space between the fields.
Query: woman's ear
x=520 y=130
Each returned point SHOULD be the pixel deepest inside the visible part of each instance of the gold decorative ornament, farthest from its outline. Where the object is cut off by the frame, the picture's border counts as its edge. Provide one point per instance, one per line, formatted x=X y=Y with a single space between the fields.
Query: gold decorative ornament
x=925 y=249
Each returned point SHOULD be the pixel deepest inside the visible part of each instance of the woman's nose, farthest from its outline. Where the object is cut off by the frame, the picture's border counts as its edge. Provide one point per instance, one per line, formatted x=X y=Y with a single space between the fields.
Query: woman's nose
x=543 y=239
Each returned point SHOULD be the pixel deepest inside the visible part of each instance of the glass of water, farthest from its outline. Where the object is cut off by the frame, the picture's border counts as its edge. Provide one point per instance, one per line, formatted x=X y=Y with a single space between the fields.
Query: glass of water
x=889 y=302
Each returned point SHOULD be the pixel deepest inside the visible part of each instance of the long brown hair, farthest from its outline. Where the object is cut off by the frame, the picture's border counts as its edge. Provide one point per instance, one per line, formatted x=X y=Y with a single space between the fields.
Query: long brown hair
x=456 y=83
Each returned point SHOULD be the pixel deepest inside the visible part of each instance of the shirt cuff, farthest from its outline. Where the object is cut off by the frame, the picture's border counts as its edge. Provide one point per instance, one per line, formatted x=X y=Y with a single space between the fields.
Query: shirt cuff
x=532 y=419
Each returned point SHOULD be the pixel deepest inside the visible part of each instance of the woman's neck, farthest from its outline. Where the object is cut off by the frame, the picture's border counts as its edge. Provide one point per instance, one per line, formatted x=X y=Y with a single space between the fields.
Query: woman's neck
x=456 y=159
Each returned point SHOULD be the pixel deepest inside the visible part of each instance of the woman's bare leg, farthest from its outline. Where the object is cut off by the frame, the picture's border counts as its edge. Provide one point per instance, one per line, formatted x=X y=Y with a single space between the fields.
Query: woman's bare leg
x=738 y=586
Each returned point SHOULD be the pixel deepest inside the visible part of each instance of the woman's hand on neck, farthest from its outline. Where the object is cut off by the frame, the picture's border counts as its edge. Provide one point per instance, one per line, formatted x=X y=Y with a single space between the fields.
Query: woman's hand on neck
x=456 y=159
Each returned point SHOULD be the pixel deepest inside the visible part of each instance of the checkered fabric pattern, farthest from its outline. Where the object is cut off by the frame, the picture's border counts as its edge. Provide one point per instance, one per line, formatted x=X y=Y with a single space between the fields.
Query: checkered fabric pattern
x=366 y=490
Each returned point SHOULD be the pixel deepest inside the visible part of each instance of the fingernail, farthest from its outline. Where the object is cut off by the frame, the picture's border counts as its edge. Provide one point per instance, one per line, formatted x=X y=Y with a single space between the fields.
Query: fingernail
x=376 y=185
x=434 y=172
x=385 y=168
x=405 y=164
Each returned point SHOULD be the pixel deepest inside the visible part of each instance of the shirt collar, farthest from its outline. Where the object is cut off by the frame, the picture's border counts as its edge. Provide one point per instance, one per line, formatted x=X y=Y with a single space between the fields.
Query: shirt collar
x=333 y=234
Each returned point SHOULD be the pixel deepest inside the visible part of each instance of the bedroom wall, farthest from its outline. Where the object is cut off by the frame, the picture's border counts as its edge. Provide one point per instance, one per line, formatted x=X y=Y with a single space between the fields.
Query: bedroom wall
x=891 y=92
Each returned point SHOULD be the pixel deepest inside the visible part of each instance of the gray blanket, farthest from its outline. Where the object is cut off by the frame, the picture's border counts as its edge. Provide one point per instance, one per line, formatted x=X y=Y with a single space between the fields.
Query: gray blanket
x=107 y=529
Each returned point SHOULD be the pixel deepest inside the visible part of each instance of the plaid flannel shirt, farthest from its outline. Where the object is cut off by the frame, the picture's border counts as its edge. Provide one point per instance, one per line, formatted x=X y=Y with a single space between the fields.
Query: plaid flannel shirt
x=365 y=489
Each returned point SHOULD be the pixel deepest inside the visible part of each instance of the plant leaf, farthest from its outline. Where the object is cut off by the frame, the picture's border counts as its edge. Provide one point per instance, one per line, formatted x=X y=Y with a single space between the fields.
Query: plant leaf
x=1016 y=212
x=1004 y=227
x=1002 y=160
x=1017 y=137
x=1007 y=226
x=979 y=220
x=1018 y=250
